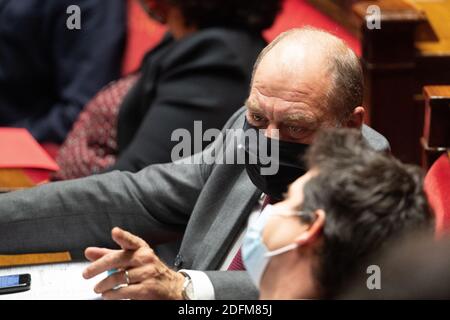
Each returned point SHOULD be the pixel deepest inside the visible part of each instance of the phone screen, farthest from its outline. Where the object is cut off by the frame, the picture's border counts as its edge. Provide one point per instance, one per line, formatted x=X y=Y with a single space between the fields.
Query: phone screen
x=9 y=281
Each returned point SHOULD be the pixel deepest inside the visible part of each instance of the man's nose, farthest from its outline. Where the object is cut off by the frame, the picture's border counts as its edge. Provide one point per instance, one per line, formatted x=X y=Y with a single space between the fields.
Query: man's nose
x=272 y=131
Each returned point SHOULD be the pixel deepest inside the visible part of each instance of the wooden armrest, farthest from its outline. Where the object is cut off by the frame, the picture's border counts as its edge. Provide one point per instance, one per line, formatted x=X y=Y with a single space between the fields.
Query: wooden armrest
x=437 y=116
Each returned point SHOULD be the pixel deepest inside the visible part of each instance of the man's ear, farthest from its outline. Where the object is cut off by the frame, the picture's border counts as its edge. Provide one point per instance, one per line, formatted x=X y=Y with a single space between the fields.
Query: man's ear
x=314 y=230
x=156 y=9
x=356 y=119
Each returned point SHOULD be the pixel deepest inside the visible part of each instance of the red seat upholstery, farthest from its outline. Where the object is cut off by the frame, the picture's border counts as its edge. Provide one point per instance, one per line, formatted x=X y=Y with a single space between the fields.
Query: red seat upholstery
x=142 y=35
x=437 y=187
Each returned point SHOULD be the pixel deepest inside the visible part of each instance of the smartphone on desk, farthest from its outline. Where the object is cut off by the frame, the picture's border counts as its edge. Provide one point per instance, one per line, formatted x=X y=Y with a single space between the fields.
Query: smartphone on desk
x=15 y=283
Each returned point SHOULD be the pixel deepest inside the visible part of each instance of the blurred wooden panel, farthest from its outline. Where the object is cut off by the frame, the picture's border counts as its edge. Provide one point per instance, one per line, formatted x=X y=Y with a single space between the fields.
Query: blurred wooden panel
x=410 y=50
x=340 y=11
x=436 y=134
x=437 y=13
x=389 y=63
x=437 y=116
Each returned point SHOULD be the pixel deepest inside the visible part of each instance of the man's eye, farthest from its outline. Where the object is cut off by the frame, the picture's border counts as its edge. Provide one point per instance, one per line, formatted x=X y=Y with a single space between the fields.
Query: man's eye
x=295 y=130
x=257 y=117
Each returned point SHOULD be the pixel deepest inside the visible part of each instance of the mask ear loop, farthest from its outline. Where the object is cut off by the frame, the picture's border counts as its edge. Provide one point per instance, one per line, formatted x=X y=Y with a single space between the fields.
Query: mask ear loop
x=307 y=218
x=281 y=250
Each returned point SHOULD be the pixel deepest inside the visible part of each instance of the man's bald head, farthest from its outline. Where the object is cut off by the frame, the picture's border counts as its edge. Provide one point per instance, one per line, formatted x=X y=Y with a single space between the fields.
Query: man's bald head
x=314 y=55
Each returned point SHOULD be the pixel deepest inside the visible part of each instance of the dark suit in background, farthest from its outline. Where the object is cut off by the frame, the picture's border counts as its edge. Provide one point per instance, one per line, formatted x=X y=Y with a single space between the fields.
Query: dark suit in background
x=48 y=72
x=202 y=77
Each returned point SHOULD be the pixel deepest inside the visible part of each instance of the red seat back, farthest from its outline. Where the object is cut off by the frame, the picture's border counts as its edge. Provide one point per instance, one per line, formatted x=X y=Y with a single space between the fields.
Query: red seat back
x=437 y=187
x=142 y=35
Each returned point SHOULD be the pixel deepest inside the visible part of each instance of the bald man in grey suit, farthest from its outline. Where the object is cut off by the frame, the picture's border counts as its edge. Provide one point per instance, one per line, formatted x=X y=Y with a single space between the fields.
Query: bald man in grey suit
x=299 y=86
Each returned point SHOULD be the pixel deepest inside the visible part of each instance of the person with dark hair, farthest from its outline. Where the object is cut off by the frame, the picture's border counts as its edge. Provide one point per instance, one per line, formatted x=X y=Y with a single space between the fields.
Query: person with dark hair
x=254 y=15
x=50 y=69
x=350 y=203
x=200 y=71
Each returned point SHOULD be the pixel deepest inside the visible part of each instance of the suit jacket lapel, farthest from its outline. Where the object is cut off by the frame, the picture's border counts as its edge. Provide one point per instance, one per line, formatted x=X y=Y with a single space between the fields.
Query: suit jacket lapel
x=229 y=222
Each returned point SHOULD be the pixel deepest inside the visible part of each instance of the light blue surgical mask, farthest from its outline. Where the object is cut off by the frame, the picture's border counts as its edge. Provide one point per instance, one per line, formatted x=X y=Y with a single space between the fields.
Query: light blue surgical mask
x=255 y=254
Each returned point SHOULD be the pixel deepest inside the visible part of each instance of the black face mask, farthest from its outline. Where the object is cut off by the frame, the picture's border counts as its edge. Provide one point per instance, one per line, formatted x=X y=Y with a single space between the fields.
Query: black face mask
x=289 y=160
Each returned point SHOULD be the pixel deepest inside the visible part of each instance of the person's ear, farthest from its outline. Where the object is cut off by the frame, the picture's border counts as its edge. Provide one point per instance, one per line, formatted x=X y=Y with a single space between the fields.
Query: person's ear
x=356 y=119
x=314 y=230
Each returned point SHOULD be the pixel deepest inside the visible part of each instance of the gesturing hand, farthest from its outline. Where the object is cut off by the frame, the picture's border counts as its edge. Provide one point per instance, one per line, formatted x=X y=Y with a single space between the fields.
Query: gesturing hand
x=149 y=278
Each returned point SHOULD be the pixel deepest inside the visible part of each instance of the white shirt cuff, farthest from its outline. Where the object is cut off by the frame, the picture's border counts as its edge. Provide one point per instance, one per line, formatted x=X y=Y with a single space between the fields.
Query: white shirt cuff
x=202 y=285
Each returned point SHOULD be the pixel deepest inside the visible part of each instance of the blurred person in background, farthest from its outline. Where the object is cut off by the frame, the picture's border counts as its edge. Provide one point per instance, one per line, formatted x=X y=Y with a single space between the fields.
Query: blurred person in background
x=49 y=71
x=200 y=71
x=416 y=267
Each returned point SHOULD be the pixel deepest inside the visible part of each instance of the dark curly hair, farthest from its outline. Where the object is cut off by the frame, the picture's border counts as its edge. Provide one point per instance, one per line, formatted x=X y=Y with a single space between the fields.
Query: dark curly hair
x=253 y=15
x=370 y=198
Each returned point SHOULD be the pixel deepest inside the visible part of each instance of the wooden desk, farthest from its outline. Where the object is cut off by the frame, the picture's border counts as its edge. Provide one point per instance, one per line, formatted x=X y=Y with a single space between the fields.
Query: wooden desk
x=18 y=179
x=14 y=179
x=34 y=259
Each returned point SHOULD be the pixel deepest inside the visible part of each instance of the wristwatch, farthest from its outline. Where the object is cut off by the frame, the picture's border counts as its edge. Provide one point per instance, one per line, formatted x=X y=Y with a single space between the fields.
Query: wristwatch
x=188 y=287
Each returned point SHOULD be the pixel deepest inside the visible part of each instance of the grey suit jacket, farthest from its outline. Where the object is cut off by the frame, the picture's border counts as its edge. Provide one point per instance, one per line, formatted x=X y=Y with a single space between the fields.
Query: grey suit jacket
x=208 y=204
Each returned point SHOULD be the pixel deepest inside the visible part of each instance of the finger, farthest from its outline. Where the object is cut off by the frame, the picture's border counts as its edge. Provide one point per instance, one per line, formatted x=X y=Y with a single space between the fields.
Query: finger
x=130 y=292
x=110 y=282
x=126 y=240
x=115 y=260
x=93 y=254
x=141 y=274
